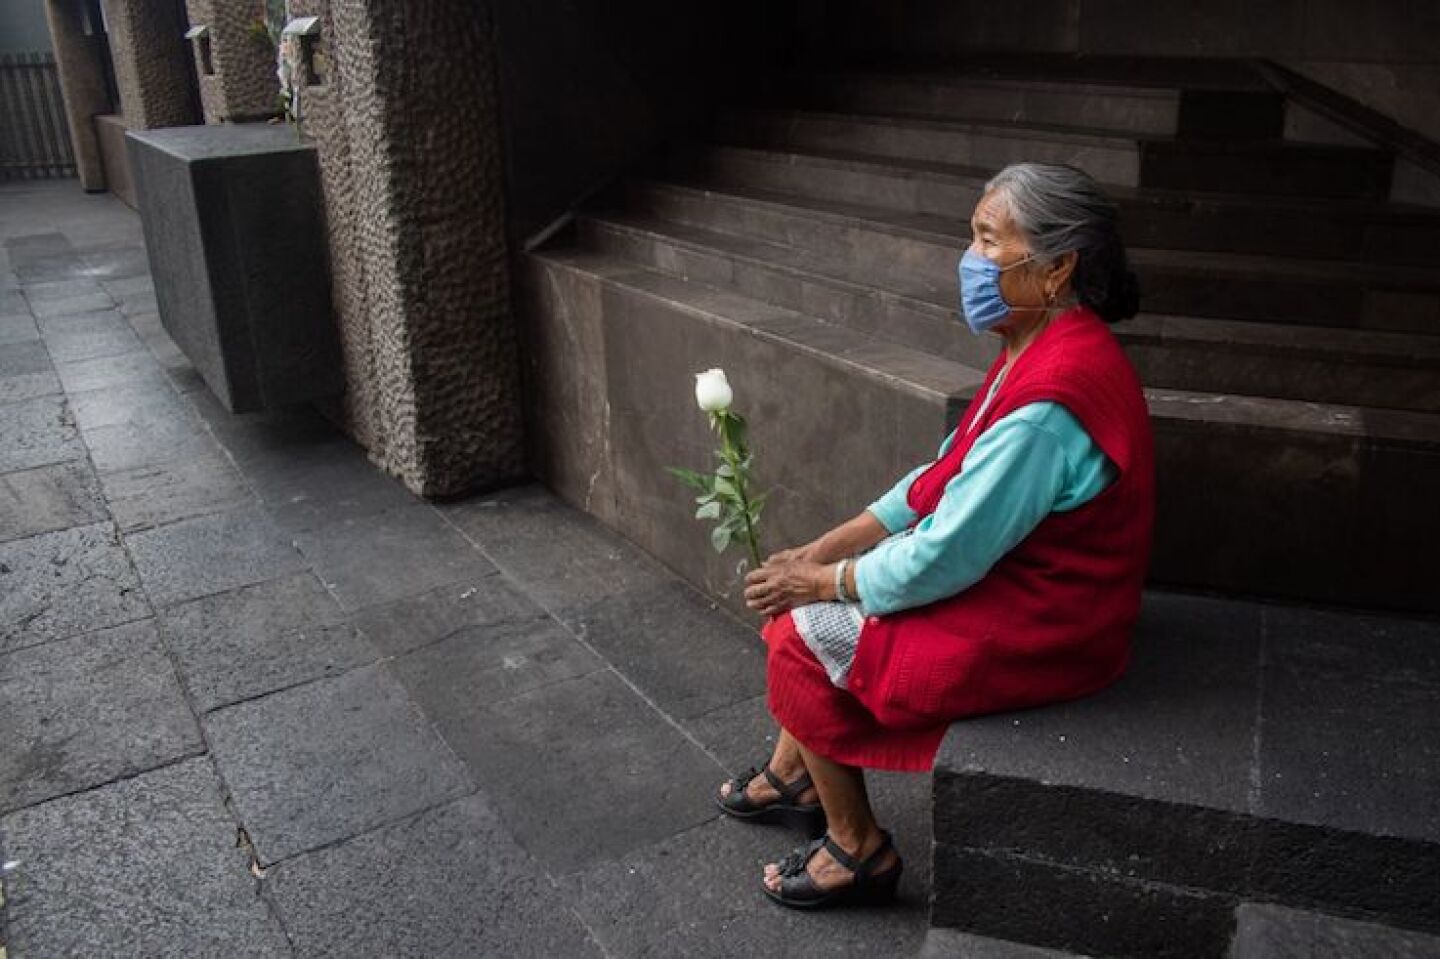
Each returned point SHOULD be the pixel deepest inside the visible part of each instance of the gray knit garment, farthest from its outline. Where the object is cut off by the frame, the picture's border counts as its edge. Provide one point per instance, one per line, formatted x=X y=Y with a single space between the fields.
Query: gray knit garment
x=831 y=630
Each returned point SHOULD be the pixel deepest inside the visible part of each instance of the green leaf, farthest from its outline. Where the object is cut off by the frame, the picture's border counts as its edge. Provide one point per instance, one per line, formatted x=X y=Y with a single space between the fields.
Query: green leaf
x=689 y=477
x=707 y=498
x=708 y=511
x=725 y=470
x=724 y=486
x=720 y=538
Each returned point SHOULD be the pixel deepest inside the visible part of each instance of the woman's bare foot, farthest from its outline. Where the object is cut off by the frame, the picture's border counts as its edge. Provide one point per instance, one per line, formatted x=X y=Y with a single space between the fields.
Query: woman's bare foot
x=828 y=874
x=759 y=791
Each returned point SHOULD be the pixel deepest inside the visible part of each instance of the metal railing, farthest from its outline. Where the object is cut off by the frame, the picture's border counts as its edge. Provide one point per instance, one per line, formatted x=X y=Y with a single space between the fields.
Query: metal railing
x=34 y=135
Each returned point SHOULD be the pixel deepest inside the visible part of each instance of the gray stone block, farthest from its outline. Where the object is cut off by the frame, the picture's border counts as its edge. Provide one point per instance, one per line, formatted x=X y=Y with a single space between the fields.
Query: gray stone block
x=63 y=583
x=49 y=498
x=238 y=251
x=329 y=760
x=453 y=884
x=88 y=710
x=257 y=639
x=143 y=867
x=211 y=554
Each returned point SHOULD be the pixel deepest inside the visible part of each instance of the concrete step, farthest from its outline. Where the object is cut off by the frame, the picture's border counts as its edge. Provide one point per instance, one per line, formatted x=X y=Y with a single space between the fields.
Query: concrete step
x=1137 y=110
x=1392 y=370
x=1166 y=219
x=1269 y=168
x=1261 y=779
x=1163 y=111
x=1283 y=495
x=916 y=253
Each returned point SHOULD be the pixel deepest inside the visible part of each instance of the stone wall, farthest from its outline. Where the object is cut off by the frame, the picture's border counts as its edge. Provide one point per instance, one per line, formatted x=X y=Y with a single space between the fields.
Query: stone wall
x=147 y=47
x=82 y=85
x=408 y=136
x=243 y=86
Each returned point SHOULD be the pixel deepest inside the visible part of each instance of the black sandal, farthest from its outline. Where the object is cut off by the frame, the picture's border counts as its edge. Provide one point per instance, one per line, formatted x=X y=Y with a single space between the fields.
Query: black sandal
x=809 y=818
x=798 y=890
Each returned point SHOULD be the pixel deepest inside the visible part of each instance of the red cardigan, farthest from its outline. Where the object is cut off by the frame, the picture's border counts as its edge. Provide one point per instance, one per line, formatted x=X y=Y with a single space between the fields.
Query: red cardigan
x=1052 y=619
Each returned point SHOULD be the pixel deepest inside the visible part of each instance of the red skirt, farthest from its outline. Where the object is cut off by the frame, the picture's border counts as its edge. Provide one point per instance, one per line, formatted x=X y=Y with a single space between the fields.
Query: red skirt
x=829 y=720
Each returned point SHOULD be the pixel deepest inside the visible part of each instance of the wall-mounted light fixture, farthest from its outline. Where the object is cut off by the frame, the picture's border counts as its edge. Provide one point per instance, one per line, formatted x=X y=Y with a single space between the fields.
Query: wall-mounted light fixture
x=200 y=37
x=312 y=53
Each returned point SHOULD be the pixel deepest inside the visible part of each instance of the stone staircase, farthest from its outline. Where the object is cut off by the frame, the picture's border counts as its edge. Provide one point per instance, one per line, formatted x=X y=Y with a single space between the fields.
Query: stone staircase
x=1291 y=352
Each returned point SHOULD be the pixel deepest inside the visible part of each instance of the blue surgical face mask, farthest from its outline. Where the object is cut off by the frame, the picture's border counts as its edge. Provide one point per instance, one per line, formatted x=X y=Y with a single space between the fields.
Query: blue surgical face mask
x=980 y=300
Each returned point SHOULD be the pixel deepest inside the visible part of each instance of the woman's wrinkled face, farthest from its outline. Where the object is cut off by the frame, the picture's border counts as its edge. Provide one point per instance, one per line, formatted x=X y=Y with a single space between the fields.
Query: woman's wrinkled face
x=994 y=236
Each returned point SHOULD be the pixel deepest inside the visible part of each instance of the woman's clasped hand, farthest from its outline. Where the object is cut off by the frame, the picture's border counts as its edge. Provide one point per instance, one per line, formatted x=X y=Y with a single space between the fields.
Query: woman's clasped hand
x=788 y=579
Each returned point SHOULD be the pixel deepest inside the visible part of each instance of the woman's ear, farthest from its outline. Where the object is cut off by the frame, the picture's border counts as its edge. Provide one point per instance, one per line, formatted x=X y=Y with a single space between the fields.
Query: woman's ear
x=1061 y=270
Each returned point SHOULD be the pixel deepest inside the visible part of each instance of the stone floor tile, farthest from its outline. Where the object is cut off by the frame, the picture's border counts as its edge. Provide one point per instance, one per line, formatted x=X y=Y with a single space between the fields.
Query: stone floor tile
x=138 y=283
x=166 y=438
x=87 y=710
x=325 y=484
x=697 y=894
x=453 y=885
x=211 y=554
x=330 y=760
x=38 y=432
x=147 y=496
x=49 y=498
x=26 y=372
x=582 y=770
x=61 y=290
x=59 y=584
x=116 y=263
x=71 y=305
x=486 y=665
x=142 y=302
x=261 y=638
x=482 y=600
x=19 y=328
x=562 y=556
x=109 y=371
x=47 y=268
x=402 y=552
x=144 y=867
x=272 y=436
x=88 y=336
x=637 y=630
x=137 y=401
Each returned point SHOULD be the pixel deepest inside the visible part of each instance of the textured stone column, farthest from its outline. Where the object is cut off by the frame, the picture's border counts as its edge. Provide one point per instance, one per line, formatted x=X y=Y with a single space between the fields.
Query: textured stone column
x=243 y=86
x=147 y=46
x=407 y=127
x=79 y=58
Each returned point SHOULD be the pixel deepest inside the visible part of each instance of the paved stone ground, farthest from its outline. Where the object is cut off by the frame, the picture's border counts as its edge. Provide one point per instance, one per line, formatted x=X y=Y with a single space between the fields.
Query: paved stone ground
x=258 y=700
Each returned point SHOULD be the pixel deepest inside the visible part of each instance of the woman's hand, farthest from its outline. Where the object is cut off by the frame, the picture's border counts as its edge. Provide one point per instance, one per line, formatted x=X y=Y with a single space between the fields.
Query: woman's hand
x=778 y=587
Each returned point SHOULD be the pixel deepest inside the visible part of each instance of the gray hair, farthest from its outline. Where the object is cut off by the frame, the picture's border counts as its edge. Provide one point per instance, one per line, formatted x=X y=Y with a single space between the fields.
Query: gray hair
x=1060 y=209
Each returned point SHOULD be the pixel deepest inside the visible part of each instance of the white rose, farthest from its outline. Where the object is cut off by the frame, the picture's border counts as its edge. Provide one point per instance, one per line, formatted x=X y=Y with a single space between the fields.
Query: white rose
x=712 y=391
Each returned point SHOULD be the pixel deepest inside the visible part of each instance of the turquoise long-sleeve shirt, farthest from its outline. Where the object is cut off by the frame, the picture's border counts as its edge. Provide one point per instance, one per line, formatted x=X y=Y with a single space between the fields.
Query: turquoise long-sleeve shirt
x=1028 y=464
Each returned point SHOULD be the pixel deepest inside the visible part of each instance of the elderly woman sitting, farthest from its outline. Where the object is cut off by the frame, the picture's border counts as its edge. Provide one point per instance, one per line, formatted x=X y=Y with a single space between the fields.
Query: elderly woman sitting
x=1004 y=574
